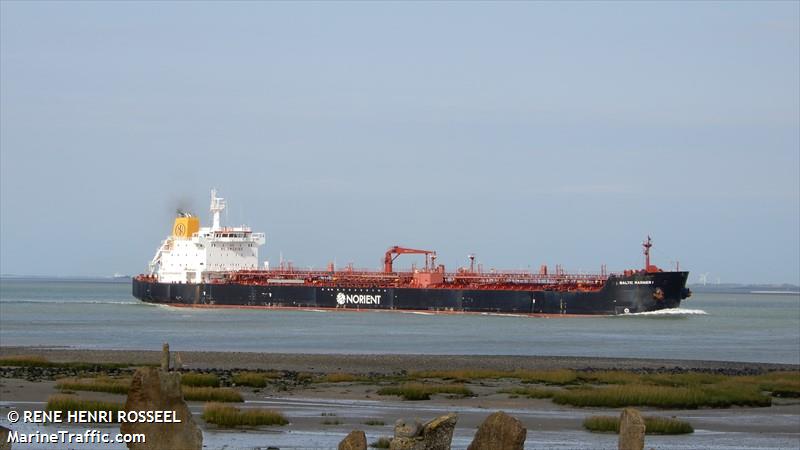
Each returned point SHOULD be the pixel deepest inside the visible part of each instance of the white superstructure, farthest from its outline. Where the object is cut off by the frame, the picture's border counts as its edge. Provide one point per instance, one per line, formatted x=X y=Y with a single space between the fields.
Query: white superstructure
x=194 y=255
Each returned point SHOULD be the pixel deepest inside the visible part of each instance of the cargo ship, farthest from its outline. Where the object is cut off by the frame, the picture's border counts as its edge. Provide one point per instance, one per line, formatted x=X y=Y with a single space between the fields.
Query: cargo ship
x=218 y=266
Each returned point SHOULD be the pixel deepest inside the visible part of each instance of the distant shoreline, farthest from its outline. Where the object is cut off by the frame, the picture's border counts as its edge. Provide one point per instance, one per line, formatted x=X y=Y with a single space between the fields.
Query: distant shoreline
x=380 y=363
x=48 y=278
x=776 y=292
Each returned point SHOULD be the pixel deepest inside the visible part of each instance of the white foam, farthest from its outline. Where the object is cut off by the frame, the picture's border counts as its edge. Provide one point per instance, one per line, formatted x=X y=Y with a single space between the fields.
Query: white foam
x=669 y=312
x=76 y=302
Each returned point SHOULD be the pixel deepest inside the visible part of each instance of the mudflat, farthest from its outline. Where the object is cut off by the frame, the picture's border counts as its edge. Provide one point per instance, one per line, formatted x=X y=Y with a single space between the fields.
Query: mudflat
x=382 y=363
x=322 y=405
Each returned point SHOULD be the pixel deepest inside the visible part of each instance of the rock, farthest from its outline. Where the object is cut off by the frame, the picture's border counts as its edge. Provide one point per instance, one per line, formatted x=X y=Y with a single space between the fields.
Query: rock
x=4 y=444
x=499 y=432
x=154 y=390
x=438 y=433
x=434 y=435
x=407 y=428
x=165 y=357
x=631 y=430
x=356 y=440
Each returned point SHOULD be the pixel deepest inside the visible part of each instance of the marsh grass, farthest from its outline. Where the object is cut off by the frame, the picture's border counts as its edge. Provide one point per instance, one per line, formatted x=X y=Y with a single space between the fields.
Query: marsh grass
x=24 y=361
x=785 y=383
x=97 y=384
x=461 y=375
x=609 y=377
x=39 y=361
x=374 y=423
x=714 y=396
x=211 y=394
x=530 y=392
x=339 y=377
x=602 y=424
x=382 y=442
x=62 y=402
x=683 y=379
x=254 y=379
x=653 y=425
x=666 y=425
x=226 y=416
x=557 y=376
x=422 y=391
x=199 y=379
x=617 y=388
x=780 y=384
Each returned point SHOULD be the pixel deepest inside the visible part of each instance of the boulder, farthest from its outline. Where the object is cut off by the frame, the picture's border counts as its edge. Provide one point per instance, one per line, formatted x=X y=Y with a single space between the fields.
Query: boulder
x=499 y=432
x=631 y=430
x=434 y=435
x=155 y=390
x=4 y=444
x=356 y=440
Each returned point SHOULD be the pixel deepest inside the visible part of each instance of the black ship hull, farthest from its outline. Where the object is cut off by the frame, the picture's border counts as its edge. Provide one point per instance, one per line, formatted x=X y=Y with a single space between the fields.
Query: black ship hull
x=640 y=292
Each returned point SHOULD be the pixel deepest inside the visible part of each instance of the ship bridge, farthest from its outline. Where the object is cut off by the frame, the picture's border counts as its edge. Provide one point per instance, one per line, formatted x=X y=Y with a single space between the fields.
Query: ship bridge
x=192 y=254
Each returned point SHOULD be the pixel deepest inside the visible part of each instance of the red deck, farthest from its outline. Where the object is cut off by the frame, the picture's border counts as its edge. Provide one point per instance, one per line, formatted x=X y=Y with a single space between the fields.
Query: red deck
x=430 y=279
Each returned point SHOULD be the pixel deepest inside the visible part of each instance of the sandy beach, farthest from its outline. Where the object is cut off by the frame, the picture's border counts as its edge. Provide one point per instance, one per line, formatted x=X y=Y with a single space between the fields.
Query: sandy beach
x=321 y=413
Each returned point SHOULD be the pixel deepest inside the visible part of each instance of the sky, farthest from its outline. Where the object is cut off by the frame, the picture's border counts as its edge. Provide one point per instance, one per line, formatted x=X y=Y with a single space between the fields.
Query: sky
x=525 y=133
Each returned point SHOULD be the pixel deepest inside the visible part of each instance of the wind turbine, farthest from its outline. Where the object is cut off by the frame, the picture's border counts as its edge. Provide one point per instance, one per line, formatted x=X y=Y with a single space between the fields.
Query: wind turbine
x=703 y=278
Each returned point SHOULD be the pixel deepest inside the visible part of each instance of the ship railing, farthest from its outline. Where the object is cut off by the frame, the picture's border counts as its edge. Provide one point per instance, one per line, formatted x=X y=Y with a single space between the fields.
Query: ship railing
x=366 y=272
x=406 y=278
x=247 y=238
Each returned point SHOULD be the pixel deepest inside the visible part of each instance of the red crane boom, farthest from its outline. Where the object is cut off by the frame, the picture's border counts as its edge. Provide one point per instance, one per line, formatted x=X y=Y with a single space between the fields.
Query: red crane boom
x=396 y=251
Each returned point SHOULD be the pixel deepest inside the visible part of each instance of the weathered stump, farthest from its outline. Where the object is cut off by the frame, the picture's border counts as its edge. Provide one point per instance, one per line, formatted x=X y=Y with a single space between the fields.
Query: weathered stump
x=499 y=432
x=4 y=444
x=154 y=390
x=165 y=357
x=356 y=440
x=436 y=434
x=631 y=430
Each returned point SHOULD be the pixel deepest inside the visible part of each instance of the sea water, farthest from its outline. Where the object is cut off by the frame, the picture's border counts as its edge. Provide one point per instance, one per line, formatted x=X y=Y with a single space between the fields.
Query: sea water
x=104 y=315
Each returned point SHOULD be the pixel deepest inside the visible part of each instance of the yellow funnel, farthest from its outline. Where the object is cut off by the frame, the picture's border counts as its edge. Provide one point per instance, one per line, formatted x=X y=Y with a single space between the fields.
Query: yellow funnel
x=184 y=227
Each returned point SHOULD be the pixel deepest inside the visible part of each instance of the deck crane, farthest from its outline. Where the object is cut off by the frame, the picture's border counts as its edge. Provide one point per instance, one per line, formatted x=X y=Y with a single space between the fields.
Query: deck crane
x=396 y=251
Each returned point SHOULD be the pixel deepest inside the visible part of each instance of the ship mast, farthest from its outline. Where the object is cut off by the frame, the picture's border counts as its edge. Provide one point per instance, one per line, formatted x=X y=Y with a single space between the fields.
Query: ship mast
x=217 y=205
x=647 y=244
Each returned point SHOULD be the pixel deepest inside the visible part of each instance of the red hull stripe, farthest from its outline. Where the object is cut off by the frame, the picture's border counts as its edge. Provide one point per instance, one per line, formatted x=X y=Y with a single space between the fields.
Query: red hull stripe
x=415 y=311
